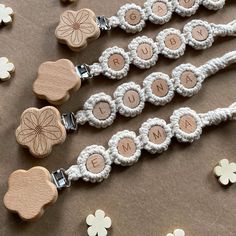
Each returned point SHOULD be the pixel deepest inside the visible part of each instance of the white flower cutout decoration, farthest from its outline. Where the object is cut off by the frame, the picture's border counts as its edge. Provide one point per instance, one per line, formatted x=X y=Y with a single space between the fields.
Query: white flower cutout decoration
x=6 y=14
x=226 y=172
x=177 y=232
x=98 y=223
x=6 y=68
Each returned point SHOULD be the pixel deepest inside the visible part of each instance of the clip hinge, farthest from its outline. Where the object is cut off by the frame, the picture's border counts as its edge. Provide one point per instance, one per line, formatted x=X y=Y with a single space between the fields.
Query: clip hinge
x=83 y=71
x=69 y=122
x=103 y=23
x=60 y=179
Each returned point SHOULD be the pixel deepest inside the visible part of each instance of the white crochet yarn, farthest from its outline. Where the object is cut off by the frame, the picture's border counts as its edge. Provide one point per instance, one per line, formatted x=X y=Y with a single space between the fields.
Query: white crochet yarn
x=154 y=18
x=87 y=113
x=114 y=152
x=82 y=162
x=178 y=132
x=119 y=99
x=135 y=59
x=142 y=141
x=213 y=4
x=183 y=11
x=167 y=52
x=107 y=71
x=150 y=96
x=144 y=135
x=224 y=29
x=124 y=24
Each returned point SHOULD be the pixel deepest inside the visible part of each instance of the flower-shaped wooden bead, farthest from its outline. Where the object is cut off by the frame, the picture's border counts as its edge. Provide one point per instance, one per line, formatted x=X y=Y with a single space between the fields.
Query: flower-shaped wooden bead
x=226 y=172
x=6 y=14
x=98 y=223
x=40 y=130
x=29 y=192
x=177 y=232
x=76 y=28
x=6 y=69
x=56 y=80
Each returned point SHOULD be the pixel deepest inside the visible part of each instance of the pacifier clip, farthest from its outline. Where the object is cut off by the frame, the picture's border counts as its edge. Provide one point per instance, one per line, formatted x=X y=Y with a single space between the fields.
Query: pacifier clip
x=41 y=129
x=56 y=80
x=30 y=192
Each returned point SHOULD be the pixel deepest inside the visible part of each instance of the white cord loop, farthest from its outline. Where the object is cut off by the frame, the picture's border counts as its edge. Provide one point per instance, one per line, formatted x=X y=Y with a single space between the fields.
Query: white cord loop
x=143 y=52
x=94 y=162
x=158 y=88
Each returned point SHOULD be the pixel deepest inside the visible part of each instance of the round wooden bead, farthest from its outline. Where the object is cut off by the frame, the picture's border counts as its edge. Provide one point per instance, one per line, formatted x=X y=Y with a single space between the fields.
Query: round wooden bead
x=186 y=3
x=160 y=88
x=173 y=41
x=200 y=33
x=126 y=147
x=133 y=16
x=159 y=8
x=188 y=79
x=145 y=51
x=102 y=110
x=187 y=124
x=95 y=163
x=116 y=62
x=131 y=99
x=157 y=134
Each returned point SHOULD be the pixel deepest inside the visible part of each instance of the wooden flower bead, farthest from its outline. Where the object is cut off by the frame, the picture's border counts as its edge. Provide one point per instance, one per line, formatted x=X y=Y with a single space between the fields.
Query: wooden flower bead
x=56 y=80
x=29 y=192
x=76 y=28
x=40 y=130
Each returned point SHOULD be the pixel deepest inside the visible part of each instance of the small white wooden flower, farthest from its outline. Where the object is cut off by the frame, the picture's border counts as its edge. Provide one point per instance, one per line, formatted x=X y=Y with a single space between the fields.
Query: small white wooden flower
x=6 y=68
x=177 y=232
x=6 y=14
x=226 y=172
x=98 y=223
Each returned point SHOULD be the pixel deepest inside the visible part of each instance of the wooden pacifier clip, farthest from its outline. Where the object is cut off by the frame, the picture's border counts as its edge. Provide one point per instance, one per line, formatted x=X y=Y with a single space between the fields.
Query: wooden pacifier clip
x=57 y=79
x=77 y=28
x=30 y=192
x=41 y=129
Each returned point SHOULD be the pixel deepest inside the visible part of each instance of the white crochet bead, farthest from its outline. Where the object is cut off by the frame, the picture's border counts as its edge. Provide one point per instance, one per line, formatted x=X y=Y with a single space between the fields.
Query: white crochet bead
x=178 y=132
x=213 y=4
x=89 y=106
x=179 y=87
x=154 y=18
x=107 y=71
x=114 y=152
x=183 y=11
x=197 y=44
x=124 y=24
x=150 y=96
x=134 y=57
x=82 y=163
x=119 y=99
x=166 y=135
x=167 y=52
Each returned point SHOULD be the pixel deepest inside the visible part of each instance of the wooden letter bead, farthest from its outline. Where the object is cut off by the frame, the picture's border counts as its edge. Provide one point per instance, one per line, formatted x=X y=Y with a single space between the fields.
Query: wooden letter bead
x=102 y=110
x=186 y=3
x=126 y=147
x=187 y=124
x=200 y=33
x=159 y=9
x=188 y=79
x=131 y=99
x=56 y=80
x=40 y=130
x=133 y=17
x=173 y=41
x=157 y=135
x=116 y=62
x=145 y=51
x=160 y=88
x=95 y=163
x=76 y=28
x=29 y=192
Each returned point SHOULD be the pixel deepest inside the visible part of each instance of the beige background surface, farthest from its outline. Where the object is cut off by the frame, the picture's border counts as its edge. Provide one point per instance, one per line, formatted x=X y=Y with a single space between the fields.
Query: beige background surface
x=160 y=192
